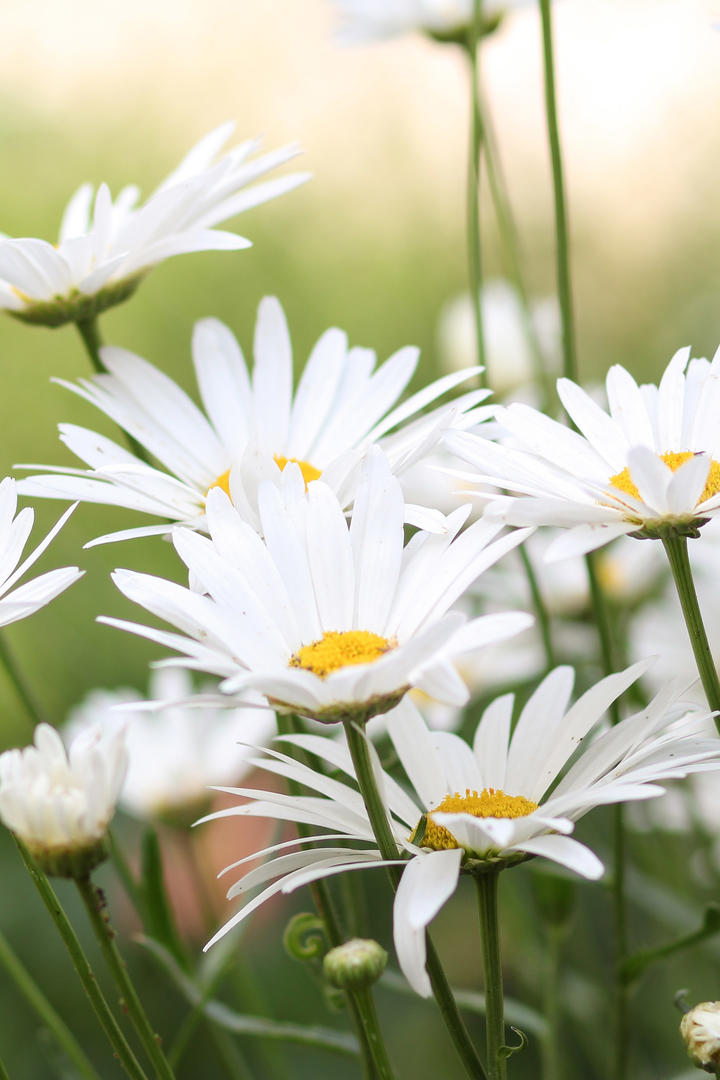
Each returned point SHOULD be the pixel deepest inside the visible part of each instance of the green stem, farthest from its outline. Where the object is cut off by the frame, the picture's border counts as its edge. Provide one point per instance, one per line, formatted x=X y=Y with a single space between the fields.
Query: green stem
x=96 y=907
x=541 y=611
x=371 y=1027
x=34 y=995
x=107 y=1021
x=677 y=555
x=561 y=227
x=22 y=689
x=89 y=331
x=487 y=889
x=473 y=190
x=511 y=247
x=377 y=815
x=551 y=1060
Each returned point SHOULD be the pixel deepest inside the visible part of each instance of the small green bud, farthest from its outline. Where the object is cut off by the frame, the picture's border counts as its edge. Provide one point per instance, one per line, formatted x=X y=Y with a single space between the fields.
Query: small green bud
x=355 y=965
x=700 y=1028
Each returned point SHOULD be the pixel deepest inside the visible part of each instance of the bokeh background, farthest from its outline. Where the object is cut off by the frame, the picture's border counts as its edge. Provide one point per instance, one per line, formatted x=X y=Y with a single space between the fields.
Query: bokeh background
x=375 y=244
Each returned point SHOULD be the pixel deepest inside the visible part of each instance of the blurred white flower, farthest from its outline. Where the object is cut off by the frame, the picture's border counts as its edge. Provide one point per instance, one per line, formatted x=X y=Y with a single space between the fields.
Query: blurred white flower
x=255 y=425
x=509 y=357
x=105 y=247
x=59 y=802
x=372 y=20
x=14 y=533
x=177 y=751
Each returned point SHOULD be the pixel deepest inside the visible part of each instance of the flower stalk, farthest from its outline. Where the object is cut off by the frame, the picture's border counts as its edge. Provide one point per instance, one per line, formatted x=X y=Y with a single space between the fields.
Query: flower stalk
x=357 y=745
x=96 y=907
x=20 y=683
x=677 y=556
x=487 y=889
x=473 y=188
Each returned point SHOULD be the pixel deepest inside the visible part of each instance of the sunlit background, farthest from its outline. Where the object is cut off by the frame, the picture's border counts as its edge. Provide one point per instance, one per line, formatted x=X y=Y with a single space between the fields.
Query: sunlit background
x=375 y=244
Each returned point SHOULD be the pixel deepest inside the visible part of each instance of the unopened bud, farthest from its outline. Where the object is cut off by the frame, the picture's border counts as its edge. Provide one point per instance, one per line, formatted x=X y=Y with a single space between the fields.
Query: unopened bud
x=700 y=1028
x=355 y=965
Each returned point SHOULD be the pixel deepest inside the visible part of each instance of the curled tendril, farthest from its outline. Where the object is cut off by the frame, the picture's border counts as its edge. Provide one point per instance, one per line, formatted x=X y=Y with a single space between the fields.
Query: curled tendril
x=304 y=937
x=508 y=1051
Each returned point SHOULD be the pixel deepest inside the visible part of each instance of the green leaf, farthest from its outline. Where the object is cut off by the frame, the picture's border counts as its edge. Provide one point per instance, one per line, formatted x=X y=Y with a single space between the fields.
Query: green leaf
x=635 y=965
x=258 y=1027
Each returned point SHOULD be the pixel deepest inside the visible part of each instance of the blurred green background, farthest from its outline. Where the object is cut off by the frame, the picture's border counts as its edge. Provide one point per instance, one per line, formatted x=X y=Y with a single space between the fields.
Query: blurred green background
x=374 y=244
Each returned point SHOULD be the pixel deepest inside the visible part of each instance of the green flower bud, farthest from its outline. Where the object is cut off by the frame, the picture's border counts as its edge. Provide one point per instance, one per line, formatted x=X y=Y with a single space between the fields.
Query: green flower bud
x=355 y=965
x=700 y=1028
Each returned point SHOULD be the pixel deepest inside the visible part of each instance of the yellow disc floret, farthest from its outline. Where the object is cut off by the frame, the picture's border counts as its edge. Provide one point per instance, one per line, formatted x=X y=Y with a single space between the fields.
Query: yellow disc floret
x=223 y=481
x=338 y=649
x=309 y=472
x=623 y=481
x=491 y=802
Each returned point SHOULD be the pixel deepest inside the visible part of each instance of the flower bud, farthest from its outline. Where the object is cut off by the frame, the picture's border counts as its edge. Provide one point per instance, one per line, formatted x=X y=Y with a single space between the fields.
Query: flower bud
x=700 y=1028
x=355 y=965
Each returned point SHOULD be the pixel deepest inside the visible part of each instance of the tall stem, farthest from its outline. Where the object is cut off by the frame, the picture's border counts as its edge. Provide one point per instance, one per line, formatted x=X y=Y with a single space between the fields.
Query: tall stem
x=473 y=190
x=543 y=615
x=487 y=889
x=388 y=850
x=89 y=331
x=108 y=1023
x=54 y=1022
x=561 y=227
x=96 y=907
x=20 y=684
x=677 y=554
x=551 y=1060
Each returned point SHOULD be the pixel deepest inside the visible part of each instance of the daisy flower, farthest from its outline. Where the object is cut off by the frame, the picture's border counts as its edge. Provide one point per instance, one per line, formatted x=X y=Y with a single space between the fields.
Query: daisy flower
x=14 y=532
x=60 y=802
x=363 y=21
x=176 y=752
x=650 y=468
x=332 y=622
x=105 y=247
x=506 y=798
x=253 y=424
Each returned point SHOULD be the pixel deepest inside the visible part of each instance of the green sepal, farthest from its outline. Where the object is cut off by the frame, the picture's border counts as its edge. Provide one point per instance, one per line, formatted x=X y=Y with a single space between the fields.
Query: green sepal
x=77 y=307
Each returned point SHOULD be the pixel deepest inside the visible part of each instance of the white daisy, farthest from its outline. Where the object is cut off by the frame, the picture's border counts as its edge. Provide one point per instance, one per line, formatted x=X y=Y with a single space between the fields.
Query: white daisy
x=254 y=424
x=59 y=802
x=178 y=751
x=14 y=532
x=105 y=247
x=651 y=467
x=362 y=21
x=332 y=622
x=499 y=800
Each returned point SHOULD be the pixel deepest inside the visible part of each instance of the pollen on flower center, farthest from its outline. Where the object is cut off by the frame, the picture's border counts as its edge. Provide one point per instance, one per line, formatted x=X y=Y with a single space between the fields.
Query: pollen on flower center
x=309 y=472
x=338 y=649
x=491 y=802
x=623 y=481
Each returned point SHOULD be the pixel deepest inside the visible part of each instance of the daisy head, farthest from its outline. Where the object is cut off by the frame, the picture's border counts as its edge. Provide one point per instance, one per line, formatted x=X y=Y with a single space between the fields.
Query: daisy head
x=473 y=809
x=59 y=802
x=253 y=425
x=106 y=246
x=333 y=622
x=648 y=467
x=363 y=21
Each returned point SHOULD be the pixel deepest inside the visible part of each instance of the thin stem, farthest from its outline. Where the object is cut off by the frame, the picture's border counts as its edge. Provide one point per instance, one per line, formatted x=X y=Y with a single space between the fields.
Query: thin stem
x=22 y=689
x=473 y=190
x=602 y=621
x=622 y=1027
x=107 y=1021
x=96 y=907
x=377 y=815
x=373 y=1032
x=561 y=227
x=89 y=331
x=487 y=888
x=543 y=615
x=677 y=554
x=551 y=1060
x=34 y=995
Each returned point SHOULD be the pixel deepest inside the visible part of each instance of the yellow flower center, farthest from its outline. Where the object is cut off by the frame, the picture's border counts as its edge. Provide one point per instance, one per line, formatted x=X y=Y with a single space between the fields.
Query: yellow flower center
x=338 y=649
x=309 y=472
x=489 y=803
x=623 y=481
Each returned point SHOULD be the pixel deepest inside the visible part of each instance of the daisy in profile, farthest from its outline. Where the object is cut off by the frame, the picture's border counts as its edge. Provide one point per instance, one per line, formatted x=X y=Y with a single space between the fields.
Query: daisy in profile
x=253 y=424
x=106 y=246
x=472 y=809
x=18 y=603
x=330 y=622
x=363 y=21
x=649 y=467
